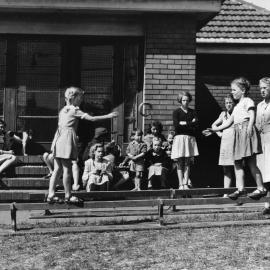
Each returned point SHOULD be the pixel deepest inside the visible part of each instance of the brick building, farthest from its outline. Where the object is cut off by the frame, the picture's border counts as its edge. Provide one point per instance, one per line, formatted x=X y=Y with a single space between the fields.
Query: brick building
x=122 y=53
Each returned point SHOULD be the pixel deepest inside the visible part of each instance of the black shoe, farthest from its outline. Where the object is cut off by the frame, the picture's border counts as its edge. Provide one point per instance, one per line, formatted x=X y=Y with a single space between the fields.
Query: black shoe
x=237 y=193
x=266 y=211
x=257 y=194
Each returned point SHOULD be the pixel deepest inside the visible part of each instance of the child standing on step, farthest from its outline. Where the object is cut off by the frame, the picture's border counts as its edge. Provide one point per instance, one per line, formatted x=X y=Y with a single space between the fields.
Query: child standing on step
x=64 y=145
x=246 y=139
x=226 y=159
x=184 y=147
x=263 y=125
x=135 y=153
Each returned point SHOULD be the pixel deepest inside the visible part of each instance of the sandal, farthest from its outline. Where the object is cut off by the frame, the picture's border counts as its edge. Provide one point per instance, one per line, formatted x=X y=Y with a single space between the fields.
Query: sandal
x=53 y=199
x=257 y=194
x=73 y=200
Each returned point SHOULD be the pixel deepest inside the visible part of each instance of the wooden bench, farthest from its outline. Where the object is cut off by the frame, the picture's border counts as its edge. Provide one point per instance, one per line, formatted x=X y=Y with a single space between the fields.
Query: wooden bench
x=143 y=199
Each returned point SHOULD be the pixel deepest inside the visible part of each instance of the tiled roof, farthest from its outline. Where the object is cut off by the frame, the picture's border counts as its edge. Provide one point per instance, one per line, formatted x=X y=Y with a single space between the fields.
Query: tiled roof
x=237 y=20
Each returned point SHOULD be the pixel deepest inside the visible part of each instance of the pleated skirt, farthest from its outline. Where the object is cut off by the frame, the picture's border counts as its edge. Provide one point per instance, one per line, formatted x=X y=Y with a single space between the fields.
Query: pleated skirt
x=244 y=145
x=184 y=146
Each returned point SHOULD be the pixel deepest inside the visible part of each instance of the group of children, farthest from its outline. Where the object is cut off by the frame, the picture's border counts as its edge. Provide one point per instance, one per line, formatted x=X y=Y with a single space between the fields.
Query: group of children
x=245 y=138
x=245 y=141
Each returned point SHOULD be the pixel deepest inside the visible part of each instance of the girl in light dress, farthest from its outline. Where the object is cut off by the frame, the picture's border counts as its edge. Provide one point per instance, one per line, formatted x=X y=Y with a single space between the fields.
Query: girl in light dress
x=64 y=145
x=226 y=159
x=184 y=146
x=97 y=170
x=263 y=125
x=246 y=139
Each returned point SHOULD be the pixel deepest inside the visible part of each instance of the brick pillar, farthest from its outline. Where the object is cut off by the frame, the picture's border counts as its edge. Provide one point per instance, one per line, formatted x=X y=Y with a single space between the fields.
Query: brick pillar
x=169 y=64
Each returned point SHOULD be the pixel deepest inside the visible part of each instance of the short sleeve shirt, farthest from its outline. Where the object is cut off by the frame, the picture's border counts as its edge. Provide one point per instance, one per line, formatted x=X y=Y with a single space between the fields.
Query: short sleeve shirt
x=240 y=111
x=134 y=148
x=69 y=115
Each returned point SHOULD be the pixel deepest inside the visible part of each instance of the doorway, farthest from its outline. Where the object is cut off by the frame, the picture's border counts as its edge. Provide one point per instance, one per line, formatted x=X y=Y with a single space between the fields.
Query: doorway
x=36 y=71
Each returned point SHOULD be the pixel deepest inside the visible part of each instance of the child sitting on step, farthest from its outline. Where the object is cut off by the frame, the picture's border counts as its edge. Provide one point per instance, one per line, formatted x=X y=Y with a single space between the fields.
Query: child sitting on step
x=7 y=157
x=135 y=154
x=97 y=170
x=159 y=163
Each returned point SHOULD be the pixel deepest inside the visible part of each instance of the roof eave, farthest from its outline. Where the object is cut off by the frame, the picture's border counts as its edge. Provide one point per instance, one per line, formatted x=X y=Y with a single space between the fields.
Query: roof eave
x=113 y=6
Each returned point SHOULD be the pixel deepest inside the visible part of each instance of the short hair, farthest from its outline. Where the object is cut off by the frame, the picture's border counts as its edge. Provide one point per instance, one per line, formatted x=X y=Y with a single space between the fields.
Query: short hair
x=171 y=132
x=243 y=84
x=3 y=123
x=184 y=94
x=265 y=80
x=138 y=131
x=72 y=92
x=155 y=139
x=229 y=96
x=157 y=125
x=94 y=148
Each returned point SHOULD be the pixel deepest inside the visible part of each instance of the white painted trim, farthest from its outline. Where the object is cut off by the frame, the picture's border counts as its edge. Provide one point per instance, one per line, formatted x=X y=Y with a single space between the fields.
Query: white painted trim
x=116 y=5
x=234 y=40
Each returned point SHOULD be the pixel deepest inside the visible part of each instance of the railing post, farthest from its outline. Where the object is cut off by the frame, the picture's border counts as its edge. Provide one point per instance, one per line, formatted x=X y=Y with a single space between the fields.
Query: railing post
x=13 y=214
x=173 y=196
x=160 y=212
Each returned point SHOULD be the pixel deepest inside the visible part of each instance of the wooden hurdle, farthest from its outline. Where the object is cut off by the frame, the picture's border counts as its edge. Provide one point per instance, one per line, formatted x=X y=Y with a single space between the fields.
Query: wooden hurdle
x=159 y=199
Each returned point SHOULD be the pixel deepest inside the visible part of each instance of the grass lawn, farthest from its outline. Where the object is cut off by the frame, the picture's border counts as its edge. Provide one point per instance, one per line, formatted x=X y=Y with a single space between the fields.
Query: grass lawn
x=211 y=248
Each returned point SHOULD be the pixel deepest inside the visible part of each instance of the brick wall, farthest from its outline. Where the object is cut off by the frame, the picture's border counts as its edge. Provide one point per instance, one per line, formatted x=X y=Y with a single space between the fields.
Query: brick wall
x=170 y=65
x=219 y=87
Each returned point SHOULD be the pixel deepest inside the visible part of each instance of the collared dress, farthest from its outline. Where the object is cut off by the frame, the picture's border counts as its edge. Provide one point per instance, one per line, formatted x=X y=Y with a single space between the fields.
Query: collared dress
x=65 y=140
x=263 y=125
x=91 y=176
x=135 y=148
x=244 y=145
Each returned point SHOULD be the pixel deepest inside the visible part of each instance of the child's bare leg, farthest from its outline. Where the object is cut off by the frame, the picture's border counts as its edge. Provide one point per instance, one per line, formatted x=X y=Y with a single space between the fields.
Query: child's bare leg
x=180 y=165
x=55 y=175
x=67 y=173
x=239 y=174
x=47 y=160
x=251 y=161
x=137 y=180
x=11 y=160
x=76 y=175
x=186 y=172
x=25 y=138
x=121 y=181
x=227 y=176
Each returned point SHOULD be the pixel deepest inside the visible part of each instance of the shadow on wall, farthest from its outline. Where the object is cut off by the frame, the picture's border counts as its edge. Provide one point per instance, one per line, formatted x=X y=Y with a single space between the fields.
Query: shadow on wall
x=206 y=171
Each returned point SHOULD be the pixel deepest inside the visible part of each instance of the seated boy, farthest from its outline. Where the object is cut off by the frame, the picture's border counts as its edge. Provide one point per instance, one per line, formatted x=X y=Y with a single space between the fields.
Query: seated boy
x=158 y=161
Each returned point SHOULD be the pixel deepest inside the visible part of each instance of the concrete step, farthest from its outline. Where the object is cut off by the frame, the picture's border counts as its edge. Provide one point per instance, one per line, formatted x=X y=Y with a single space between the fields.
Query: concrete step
x=22 y=195
x=31 y=170
x=38 y=160
x=24 y=183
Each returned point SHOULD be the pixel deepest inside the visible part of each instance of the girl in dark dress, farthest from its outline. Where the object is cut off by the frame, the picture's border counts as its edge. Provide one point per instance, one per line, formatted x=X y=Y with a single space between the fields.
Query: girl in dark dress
x=184 y=146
